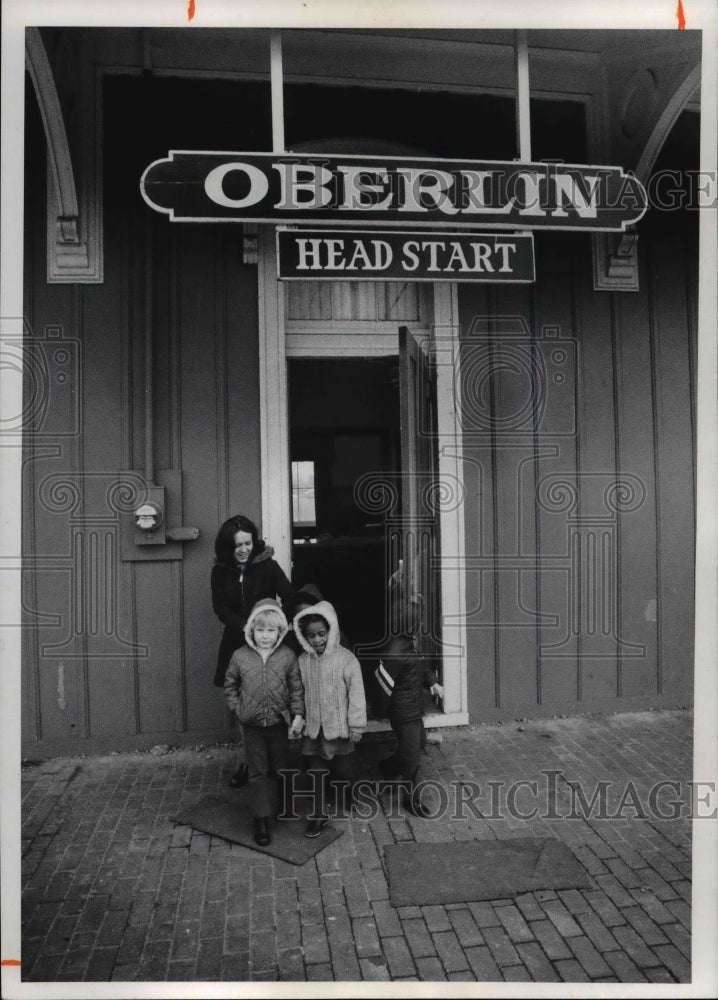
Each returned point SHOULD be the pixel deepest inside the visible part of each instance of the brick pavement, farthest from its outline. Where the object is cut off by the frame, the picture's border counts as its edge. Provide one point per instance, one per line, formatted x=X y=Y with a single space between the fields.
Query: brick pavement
x=114 y=891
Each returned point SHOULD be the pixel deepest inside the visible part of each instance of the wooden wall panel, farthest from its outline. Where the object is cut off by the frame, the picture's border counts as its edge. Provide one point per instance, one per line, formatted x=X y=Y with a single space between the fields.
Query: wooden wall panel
x=218 y=378
x=556 y=463
x=671 y=272
x=596 y=464
x=634 y=621
x=135 y=643
x=156 y=618
x=479 y=514
x=107 y=331
x=622 y=548
x=77 y=646
x=514 y=487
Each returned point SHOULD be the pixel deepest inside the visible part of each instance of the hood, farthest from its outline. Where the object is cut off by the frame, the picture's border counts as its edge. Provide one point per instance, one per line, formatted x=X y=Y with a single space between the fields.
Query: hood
x=265 y=605
x=260 y=553
x=326 y=610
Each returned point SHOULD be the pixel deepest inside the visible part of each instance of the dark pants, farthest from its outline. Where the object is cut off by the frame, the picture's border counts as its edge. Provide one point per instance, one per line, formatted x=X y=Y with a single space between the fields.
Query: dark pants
x=267 y=750
x=319 y=770
x=405 y=759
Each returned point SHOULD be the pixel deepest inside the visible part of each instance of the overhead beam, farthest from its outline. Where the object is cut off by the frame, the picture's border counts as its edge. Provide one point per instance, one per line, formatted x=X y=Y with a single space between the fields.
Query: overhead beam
x=523 y=105
x=277 y=87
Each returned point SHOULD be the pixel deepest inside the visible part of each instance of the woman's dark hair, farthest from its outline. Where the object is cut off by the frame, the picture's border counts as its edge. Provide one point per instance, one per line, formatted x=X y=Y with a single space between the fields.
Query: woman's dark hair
x=224 y=542
x=308 y=619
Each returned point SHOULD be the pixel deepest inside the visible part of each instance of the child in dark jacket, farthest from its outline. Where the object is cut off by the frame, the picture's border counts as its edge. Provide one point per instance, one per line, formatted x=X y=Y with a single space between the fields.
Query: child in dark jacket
x=402 y=676
x=335 y=702
x=264 y=688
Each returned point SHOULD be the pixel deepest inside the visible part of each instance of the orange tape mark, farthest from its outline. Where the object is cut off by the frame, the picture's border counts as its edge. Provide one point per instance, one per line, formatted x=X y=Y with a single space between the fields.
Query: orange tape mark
x=190 y=10
x=10 y=961
x=679 y=14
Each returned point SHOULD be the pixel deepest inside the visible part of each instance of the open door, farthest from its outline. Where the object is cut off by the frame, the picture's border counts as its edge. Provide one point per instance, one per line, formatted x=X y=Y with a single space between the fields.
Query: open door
x=417 y=587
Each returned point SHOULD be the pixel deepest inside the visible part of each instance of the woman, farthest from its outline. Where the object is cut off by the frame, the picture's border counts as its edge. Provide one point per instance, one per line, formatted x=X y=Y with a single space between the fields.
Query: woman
x=244 y=573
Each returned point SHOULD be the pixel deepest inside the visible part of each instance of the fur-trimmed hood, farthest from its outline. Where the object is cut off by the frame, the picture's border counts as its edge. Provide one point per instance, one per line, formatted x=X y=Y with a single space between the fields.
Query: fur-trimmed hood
x=326 y=610
x=260 y=553
x=266 y=604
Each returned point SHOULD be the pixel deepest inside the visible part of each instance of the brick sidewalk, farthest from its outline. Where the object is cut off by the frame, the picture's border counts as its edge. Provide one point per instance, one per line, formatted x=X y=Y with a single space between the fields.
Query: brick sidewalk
x=113 y=890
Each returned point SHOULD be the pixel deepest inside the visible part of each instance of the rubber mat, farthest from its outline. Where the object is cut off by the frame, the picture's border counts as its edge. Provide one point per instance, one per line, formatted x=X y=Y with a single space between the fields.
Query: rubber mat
x=463 y=871
x=232 y=820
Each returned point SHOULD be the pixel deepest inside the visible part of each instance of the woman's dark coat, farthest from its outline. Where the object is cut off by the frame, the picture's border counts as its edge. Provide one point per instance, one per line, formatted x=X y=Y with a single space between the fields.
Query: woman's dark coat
x=236 y=591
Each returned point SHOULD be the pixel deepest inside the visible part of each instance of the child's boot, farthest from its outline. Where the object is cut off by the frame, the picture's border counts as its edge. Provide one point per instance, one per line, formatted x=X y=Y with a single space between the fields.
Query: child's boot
x=261 y=830
x=315 y=826
x=412 y=799
x=348 y=797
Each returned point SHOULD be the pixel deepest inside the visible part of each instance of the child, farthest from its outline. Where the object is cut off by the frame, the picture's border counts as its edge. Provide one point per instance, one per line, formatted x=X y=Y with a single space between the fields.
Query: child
x=335 y=702
x=402 y=675
x=263 y=686
x=303 y=599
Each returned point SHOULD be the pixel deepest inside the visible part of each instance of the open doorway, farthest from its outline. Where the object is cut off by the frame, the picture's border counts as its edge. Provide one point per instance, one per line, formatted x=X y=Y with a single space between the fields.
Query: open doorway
x=355 y=421
x=344 y=425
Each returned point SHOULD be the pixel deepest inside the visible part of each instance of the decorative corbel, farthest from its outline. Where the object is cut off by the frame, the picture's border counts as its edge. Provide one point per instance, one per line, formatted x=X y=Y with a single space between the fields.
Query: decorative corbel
x=615 y=261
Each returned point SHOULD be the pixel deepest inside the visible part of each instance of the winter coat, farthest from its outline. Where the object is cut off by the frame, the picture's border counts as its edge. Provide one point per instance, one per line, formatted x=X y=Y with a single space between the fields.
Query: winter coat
x=402 y=676
x=333 y=685
x=235 y=591
x=264 y=693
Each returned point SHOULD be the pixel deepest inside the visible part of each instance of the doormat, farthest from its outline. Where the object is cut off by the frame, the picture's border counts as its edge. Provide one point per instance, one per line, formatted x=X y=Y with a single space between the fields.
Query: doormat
x=468 y=870
x=232 y=821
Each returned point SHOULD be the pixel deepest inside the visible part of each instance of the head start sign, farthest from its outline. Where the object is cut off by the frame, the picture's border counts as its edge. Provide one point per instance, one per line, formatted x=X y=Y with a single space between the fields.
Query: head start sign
x=377 y=191
x=396 y=255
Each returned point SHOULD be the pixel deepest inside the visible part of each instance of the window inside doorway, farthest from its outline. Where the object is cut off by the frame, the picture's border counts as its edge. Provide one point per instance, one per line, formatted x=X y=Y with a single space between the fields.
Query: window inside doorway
x=304 y=511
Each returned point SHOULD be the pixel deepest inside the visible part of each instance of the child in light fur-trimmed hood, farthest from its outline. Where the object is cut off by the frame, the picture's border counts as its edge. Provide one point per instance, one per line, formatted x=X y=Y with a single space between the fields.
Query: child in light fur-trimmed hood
x=335 y=705
x=264 y=689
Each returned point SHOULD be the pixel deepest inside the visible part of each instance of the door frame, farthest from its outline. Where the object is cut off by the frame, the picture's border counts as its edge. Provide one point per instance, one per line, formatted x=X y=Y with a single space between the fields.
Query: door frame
x=274 y=348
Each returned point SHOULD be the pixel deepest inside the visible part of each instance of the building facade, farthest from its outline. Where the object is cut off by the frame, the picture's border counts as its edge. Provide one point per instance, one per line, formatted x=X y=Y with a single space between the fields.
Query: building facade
x=524 y=451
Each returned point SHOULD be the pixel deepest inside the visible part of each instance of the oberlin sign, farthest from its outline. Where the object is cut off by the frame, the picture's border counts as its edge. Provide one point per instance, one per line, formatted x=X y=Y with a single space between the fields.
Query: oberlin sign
x=192 y=186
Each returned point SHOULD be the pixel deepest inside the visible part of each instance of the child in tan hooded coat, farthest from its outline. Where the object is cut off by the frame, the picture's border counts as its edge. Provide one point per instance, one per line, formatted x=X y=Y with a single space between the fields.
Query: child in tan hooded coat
x=335 y=705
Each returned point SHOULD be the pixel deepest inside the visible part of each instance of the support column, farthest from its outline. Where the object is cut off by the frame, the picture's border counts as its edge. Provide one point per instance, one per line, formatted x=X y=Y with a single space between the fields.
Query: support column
x=274 y=419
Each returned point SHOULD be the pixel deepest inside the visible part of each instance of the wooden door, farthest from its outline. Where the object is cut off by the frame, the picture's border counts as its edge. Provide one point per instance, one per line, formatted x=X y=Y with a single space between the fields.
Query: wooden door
x=417 y=588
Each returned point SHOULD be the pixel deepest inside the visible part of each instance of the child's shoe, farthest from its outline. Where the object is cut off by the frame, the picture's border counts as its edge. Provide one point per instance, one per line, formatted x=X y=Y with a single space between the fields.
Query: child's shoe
x=261 y=830
x=413 y=804
x=315 y=826
x=240 y=777
x=349 y=798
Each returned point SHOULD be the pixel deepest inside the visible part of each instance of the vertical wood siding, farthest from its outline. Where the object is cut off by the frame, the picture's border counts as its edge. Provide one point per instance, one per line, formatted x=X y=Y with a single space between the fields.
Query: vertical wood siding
x=120 y=653
x=583 y=597
x=403 y=301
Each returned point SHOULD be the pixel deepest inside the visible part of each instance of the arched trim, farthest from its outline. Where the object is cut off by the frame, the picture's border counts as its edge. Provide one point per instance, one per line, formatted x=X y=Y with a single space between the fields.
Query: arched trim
x=615 y=257
x=665 y=123
x=74 y=203
x=58 y=150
